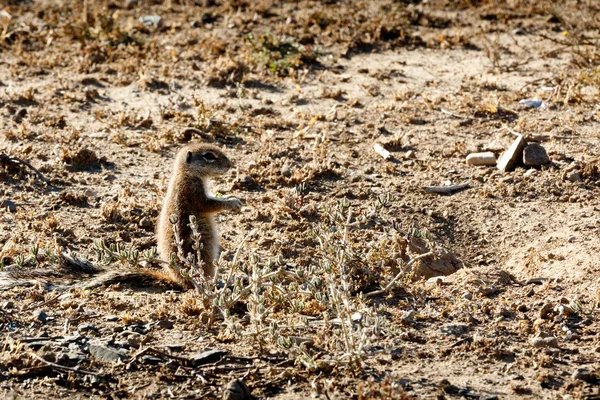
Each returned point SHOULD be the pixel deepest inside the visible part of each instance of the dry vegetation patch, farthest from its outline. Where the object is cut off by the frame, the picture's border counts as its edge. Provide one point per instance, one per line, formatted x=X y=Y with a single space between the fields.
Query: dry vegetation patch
x=342 y=277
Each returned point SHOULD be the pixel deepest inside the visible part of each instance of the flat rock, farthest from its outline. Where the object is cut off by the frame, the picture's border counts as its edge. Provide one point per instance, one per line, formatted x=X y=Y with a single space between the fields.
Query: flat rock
x=487 y=158
x=237 y=390
x=105 y=354
x=534 y=155
x=510 y=158
x=207 y=357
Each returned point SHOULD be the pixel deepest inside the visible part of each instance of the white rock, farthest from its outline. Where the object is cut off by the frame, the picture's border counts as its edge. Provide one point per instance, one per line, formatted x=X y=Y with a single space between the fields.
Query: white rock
x=487 y=158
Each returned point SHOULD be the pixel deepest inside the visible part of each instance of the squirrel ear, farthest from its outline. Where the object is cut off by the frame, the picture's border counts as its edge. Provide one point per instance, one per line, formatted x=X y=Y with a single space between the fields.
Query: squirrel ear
x=188 y=157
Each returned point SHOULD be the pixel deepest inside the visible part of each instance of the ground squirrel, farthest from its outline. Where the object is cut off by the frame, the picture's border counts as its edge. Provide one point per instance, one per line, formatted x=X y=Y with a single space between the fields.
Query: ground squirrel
x=188 y=194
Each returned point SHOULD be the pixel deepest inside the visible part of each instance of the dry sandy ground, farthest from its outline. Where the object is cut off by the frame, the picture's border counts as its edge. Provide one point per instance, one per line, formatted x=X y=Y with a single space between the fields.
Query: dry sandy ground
x=100 y=102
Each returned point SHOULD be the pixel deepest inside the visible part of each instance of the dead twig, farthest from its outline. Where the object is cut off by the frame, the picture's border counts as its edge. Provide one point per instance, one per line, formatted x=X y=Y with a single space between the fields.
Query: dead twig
x=45 y=303
x=63 y=368
x=399 y=275
x=461 y=116
x=446 y=189
x=4 y=157
x=152 y=350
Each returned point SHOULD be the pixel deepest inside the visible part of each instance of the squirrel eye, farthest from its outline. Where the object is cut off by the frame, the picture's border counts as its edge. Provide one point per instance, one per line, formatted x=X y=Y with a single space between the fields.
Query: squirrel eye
x=188 y=157
x=208 y=156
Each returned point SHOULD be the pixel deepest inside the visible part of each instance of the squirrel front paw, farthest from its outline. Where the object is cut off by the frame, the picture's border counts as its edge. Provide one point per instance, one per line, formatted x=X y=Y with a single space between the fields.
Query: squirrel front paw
x=234 y=204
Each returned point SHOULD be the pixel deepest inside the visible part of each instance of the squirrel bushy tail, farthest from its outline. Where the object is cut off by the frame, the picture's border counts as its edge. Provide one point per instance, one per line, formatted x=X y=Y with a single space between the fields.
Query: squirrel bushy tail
x=73 y=272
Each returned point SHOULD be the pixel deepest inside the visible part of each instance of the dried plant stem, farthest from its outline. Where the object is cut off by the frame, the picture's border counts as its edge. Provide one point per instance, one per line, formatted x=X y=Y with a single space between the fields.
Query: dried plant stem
x=399 y=275
x=28 y=165
x=62 y=368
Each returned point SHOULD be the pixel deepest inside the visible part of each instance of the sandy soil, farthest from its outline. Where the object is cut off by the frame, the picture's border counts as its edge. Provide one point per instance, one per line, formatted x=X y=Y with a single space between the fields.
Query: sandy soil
x=298 y=94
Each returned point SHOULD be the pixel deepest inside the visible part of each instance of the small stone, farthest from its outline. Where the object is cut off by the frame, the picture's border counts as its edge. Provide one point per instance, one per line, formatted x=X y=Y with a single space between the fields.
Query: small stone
x=146 y=223
x=522 y=308
x=408 y=316
x=20 y=114
x=487 y=158
x=9 y=205
x=534 y=103
x=286 y=172
x=396 y=354
x=86 y=328
x=467 y=295
x=7 y=305
x=510 y=158
x=111 y=318
x=582 y=374
x=530 y=172
x=41 y=316
x=547 y=311
x=151 y=360
x=105 y=354
x=534 y=155
x=151 y=20
x=573 y=176
x=237 y=390
x=135 y=340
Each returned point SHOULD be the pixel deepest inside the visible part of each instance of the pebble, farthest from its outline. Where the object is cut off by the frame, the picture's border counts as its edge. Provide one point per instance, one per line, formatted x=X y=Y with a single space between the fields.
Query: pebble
x=396 y=354
x=151 y=20
x=408 y=315
x=41 y=316
x=8 y=305
x=582 y=374
x=9 y=205
x=135 y=340
x=534 y=155
x=509 y=159
x=151 y=360
x=286 y=171
x=487 y=158
x=574 y=177
x=467 y=296
x=237 y=390
x=534 y=103
x=86 y=328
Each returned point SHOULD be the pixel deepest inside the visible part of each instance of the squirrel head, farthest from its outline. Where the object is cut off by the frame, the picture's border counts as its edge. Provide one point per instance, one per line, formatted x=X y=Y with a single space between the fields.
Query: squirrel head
x=203 y=160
